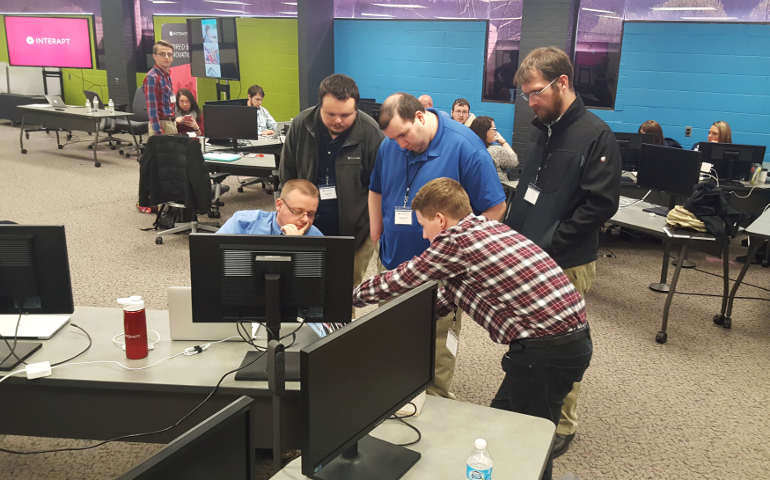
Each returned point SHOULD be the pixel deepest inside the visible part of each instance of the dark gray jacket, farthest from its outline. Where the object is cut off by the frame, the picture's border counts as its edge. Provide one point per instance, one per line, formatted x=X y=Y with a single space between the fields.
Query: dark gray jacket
x=354 y=164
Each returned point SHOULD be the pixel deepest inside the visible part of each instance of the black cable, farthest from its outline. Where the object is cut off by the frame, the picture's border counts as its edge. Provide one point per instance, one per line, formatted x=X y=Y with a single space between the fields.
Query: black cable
x=88 y=347
x=401 y=419
x=12 y=349
x=732 y=279
x=143 y=434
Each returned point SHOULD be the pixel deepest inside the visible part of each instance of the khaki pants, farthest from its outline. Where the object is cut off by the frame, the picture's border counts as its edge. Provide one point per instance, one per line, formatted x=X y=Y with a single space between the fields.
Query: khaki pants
x=582 y=277
x=168 y=126
x=361 y=260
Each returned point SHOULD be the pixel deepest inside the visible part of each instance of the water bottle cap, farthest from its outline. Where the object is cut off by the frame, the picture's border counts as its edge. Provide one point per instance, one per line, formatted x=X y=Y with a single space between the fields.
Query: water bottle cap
x=480 y=444
x=133 y=302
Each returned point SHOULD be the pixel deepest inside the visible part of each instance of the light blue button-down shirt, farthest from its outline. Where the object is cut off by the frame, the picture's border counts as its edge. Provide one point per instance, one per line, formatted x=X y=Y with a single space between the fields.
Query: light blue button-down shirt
x=257 y=222
x=265 y=120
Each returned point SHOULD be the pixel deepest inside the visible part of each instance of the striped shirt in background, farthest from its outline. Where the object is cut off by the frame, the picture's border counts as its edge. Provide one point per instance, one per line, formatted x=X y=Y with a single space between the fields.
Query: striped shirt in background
x=505 y=282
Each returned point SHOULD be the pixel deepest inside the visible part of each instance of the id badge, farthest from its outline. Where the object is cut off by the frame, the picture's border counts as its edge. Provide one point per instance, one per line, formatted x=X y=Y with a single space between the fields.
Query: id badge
x=403 y=216
x=532 y=193
x=328 y=192
x=172 y=99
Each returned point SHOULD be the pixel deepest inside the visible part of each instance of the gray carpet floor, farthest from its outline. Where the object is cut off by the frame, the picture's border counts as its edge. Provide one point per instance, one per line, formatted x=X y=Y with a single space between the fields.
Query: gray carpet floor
x=696 y=407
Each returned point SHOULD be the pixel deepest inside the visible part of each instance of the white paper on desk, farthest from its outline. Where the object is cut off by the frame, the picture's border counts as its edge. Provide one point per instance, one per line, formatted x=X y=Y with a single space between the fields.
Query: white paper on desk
x=260 y=160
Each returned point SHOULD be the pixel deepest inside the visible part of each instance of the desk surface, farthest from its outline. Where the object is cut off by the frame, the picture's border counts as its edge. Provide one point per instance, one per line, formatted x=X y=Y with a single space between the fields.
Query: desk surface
x=631 y=214
x=760 y=226
x=518 y=444
x=73 y=111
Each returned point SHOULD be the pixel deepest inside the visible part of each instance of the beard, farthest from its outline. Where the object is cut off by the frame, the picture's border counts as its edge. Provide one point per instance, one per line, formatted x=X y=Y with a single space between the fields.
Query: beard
x=550 y=113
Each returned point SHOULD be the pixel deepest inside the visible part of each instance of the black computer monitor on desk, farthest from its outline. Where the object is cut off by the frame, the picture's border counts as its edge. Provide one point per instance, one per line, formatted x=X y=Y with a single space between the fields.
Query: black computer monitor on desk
x=35 y=288
x=667 y=169
x=271 y=279
x=732 y=161
x=630 y=145
x=230 y=123
x=357 y=377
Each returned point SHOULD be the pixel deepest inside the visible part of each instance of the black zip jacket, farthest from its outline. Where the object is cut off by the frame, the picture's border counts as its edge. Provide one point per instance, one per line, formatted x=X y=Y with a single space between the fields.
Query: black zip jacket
x=353 y=166
x=576 y=165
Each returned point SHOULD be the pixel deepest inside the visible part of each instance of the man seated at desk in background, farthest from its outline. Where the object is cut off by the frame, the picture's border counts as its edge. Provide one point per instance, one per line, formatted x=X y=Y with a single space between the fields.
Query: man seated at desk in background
x=509 y=286
x=265 y=124
x=294 y=213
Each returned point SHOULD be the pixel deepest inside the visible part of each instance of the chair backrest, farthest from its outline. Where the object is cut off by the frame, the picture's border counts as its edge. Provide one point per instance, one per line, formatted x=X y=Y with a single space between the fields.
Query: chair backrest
x=91 y=95
x=139 y=107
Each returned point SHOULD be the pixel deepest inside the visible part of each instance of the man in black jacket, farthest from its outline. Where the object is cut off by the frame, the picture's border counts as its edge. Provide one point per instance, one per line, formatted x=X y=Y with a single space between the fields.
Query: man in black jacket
x=568 y=188
x=334 y=145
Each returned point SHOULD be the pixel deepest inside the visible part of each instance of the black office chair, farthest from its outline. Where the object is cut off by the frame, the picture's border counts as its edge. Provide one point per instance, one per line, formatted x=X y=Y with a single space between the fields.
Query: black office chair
x=110 y=126
x=139 y=122
x=174 y=176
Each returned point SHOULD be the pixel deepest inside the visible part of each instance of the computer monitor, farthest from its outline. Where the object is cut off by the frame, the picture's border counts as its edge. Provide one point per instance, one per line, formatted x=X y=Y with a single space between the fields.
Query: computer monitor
x=34 y=279
x=668 y=169
x=271 y=279
x=230 y=122
x=732 y=161
x=630 y=145
x=220 y=446
x=359 y=376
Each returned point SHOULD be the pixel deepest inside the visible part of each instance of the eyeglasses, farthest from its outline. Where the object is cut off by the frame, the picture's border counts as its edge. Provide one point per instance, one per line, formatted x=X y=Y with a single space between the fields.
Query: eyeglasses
x=165 y=54
x=526 y=96
x=299 y=212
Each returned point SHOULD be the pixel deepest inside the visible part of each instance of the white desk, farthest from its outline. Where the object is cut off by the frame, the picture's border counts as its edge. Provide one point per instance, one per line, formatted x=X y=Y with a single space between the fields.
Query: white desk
x=519 y=444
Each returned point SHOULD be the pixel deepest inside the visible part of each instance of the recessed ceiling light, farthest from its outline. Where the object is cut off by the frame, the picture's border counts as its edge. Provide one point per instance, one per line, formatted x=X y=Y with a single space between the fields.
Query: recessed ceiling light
x=708 y=18
x=398 y=5
x=384 y=15
x=599 y=11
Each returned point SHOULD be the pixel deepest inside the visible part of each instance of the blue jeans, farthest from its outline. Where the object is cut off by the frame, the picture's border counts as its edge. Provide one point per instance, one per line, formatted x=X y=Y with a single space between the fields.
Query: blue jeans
x=540 y=373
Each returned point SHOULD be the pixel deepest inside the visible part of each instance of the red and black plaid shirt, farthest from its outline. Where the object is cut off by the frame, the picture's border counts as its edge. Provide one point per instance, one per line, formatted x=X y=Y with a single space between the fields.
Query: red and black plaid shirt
x=505 y=282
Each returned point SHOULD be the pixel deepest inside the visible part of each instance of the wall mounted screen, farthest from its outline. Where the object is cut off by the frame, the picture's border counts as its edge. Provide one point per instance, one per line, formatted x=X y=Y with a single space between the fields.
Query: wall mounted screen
x=213 y=48
x=48 y=42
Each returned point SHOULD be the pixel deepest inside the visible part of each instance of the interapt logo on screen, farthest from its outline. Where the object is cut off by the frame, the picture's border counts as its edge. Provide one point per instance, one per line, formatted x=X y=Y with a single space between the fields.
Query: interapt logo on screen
x=47 y=41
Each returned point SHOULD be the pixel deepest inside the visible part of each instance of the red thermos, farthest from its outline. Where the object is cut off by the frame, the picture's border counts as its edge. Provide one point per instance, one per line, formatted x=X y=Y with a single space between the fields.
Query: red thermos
x=134 y=327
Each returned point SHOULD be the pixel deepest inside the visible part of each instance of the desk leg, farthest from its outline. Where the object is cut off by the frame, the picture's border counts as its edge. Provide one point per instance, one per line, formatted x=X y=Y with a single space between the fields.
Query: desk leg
x=96 y=142
x=724 y=318
x=21 y=135
x=662 y=287
x=662 y=336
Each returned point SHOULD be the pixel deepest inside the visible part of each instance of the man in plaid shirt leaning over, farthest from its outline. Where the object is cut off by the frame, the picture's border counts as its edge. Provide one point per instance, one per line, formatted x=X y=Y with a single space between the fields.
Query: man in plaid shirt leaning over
x=509 y=286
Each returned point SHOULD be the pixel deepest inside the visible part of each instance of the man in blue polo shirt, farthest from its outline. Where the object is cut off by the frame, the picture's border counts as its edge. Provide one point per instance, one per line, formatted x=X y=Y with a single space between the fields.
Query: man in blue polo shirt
x=422 y=145
x=294 y=214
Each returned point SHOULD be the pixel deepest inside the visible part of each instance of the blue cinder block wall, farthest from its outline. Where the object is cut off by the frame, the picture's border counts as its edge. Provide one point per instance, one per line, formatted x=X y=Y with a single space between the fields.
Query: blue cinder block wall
x=694 y=74
x=444 y=59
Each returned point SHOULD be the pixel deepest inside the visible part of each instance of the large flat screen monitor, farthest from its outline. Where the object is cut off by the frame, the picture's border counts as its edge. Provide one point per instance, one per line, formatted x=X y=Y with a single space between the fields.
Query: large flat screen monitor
x=271 y=279
x=668 y=169
x=230 y=122
x=34 y=279
x=630 y=145
x=357 y=377
x=732 y=161
x=48 y=41
x=213 y=48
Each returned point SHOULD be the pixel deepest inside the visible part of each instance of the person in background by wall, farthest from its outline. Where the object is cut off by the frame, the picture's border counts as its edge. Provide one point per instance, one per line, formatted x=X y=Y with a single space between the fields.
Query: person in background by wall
x=651 y=127
x=265 y=123
x=158 y=92
x=502 y=153
x=461 y=111
x=188 y=114
x=426 y=100
x=720 y=132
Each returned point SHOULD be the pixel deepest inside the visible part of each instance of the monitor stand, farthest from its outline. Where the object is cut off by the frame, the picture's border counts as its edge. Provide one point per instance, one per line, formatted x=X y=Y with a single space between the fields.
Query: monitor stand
x=22 y=350
x=372 y=459
x=258 y=370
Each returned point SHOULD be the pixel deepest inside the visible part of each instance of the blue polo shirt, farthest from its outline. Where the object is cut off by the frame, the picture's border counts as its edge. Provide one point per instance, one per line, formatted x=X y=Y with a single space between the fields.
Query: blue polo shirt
x=455 y=152
x=257 y=222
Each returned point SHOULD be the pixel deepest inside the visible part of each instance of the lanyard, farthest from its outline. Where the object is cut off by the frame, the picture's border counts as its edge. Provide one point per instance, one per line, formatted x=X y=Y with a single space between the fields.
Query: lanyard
x=410 y=182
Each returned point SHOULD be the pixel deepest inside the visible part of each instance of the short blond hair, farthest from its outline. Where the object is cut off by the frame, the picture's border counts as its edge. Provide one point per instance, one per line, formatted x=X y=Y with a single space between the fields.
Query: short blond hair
x=304 y=187
x=443 y=195
x=725 y=134
x=161 y=43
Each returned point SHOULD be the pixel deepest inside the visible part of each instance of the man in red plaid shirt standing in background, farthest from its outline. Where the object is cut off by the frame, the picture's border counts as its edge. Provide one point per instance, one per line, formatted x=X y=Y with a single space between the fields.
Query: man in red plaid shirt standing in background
x=509 y=286
x=158 y=92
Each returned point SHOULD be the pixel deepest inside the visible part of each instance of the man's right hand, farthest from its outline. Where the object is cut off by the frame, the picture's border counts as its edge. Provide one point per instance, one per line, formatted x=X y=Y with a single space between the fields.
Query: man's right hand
x=291 y=229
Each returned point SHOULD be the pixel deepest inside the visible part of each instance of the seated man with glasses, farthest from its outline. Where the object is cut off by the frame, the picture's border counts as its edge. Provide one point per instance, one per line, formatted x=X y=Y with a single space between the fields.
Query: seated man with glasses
x=294 y=214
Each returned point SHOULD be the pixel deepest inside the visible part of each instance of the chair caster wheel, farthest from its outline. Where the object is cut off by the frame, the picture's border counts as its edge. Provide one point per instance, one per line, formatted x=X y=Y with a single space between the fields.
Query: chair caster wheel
x=240 y=189
x=60 y=147
x=214 y=214
x=90 y=147
x=661 y=337
x=97 y=164
x=123 y=153
x=158 y=240
x=23 y=150
x=69 y=136
x=719 y=319
x=26 y=135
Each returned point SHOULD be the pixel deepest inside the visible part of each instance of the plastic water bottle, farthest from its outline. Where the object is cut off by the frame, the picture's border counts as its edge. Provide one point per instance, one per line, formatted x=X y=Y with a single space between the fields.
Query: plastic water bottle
x=95 y=104
x=88 y=106
x=134 y=327
x=110 y=106
x=479 y=464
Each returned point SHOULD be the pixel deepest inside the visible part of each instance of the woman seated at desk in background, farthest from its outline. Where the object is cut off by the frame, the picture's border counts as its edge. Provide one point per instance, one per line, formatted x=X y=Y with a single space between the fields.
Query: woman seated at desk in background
x=502 y=153
x=188 y=114
x=720 y=132
x=651 y=127
x=265 y=123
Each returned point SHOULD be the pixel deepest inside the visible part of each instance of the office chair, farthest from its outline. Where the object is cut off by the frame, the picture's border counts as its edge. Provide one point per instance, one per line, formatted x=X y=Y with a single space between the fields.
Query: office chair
x=173 y=175
x=139 y=122
x=110 y=126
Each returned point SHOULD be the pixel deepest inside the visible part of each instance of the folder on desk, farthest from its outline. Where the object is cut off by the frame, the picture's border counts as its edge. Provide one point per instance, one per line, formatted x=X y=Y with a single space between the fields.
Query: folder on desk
x=221 y=156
